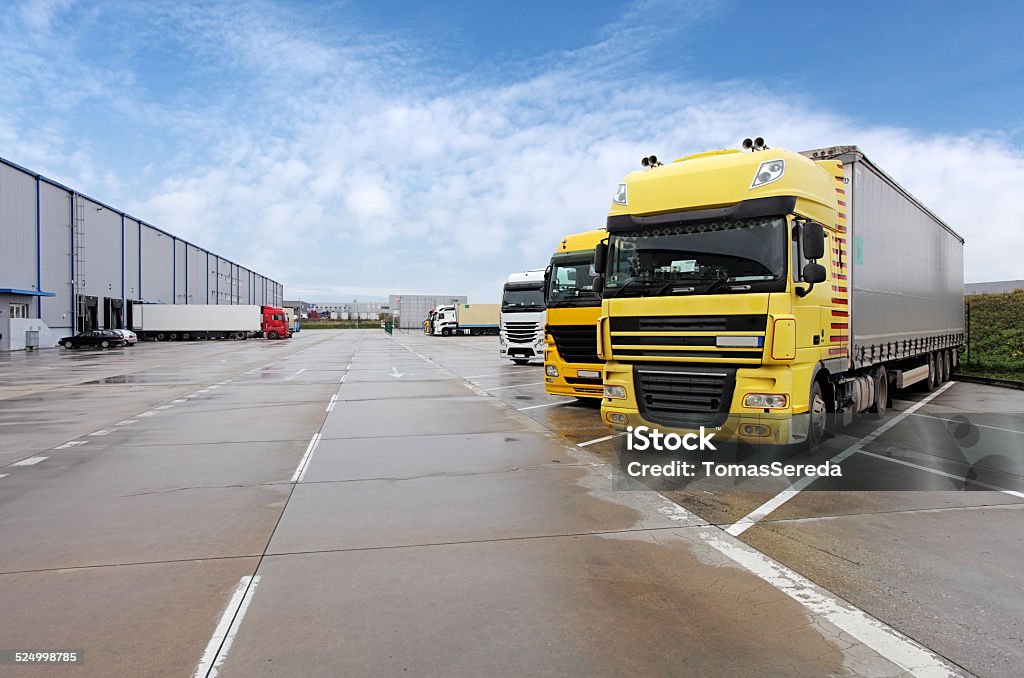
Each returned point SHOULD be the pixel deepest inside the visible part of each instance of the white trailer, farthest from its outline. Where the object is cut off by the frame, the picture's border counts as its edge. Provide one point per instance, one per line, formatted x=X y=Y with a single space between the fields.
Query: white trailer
x=173 y=322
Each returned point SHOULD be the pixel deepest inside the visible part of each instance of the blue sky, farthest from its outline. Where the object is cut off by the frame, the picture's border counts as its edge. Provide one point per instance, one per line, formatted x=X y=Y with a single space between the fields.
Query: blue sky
x=355 y=149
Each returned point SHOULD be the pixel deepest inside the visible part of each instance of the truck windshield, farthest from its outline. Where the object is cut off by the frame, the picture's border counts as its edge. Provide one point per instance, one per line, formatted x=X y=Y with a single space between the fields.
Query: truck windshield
x=572 y=281
x=746 y=255
x=522 y=299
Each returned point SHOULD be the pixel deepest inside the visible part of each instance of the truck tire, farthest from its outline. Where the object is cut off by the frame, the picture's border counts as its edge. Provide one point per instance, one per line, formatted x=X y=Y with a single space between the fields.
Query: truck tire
x=173 y=336
x=929 y=384
x=520 y=361
x=445 y=332
x=185 y=336
x=272 y=334
x=160 y=336
x=947 y=356
x=817 y=416
x=877 y=411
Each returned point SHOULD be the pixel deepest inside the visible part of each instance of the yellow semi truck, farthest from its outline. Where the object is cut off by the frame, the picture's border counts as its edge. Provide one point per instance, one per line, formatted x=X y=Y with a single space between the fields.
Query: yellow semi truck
x=773 y=294
x=571 y=365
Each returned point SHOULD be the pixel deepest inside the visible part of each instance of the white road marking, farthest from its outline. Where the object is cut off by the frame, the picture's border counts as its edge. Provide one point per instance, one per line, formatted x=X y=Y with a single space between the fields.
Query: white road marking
x=300 y=470
x=885 y=640
x=395 y=373
x=164 y=407
x=961 y=421
x=534 y=407
x=483 y=376
x=4 y=475
x=599 y=440
x=101 y=432
x=937 y=472
x=191 y=395
x=211 y=387
x=179 y=400
x=126 y=422
x=330 y=405
x=73 y=443
x=31 y=461
x=342 y=380
x=498 y=388
x=224 y=634
x=147 y=414
x=752 y=518
x=203 y=390
x=295 y=375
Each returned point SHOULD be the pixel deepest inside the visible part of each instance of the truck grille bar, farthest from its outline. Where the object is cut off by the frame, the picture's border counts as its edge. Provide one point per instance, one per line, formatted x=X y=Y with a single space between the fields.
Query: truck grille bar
x=575 y=343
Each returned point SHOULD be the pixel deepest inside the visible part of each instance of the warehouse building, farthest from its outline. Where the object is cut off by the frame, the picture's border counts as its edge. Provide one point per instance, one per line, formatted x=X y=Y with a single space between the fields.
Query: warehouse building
x=70 y=263
x=410 y=310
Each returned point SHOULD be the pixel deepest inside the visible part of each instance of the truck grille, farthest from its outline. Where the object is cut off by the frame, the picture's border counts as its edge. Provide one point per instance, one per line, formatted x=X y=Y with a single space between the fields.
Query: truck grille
x=520 y=332
x=575 y=343
x=678 y=396
x=667 y=337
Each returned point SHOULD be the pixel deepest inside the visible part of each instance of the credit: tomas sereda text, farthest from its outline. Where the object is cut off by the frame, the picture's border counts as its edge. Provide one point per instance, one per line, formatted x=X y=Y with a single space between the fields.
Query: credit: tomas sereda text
x=646 y=439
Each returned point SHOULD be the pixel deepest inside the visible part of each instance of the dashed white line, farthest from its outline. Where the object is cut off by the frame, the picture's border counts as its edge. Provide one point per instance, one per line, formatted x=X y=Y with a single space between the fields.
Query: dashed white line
x=101 y=432
x=178 y=401
x=73 y=443
x=224 y=634
x=164 y=407
x=295 y=375
x=147 y=414
x=342 y=380
x=126 y=422
x=4 y=475
x=498 y=388
x=31 y=461
x=330 y=405
x=300 y=470
x=752 y=518
x=534 y=407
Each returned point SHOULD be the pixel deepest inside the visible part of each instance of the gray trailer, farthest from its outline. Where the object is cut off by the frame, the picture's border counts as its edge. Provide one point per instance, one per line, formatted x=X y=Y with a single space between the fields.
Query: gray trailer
x=905 y=276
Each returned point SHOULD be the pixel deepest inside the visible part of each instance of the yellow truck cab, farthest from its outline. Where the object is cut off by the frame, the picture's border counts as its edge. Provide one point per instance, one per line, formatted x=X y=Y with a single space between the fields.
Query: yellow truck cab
x=761 y=292
x=571 y=366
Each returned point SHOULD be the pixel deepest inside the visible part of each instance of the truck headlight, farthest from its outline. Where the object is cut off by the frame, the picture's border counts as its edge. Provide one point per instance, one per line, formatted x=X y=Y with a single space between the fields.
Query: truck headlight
x=765 y=401
x=620 y=195
x=615 y=392
x=551 y=370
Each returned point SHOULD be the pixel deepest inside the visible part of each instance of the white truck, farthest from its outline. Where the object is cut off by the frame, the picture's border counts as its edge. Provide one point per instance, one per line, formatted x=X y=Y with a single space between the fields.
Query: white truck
x=523 y=315
x=184 y=322
x=474 y=319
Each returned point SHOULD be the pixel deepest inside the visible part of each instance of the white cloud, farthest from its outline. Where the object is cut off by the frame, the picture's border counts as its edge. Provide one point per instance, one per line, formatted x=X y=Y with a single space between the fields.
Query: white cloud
x=344 y=169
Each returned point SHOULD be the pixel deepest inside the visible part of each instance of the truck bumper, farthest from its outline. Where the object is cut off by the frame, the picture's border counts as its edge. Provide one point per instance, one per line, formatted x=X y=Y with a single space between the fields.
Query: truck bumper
x=734 y=423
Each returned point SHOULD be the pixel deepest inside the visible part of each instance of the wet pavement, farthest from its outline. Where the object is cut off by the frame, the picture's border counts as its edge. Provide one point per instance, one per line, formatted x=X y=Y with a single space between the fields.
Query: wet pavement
x=349 y=503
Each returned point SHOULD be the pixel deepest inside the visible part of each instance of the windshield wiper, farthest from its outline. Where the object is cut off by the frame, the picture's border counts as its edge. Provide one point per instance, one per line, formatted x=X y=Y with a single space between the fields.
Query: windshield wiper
x=618 y=290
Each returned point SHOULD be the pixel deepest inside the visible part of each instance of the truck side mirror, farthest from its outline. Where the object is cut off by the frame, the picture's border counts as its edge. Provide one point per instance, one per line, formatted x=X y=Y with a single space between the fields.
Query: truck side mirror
x=813 y=235
x=547 y=283
x=813 y=273
x=598 y=285
x=600 y=257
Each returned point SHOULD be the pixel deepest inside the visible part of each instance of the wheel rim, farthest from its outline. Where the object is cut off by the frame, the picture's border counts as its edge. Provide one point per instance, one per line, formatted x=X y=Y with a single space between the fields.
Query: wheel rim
x=817 y=424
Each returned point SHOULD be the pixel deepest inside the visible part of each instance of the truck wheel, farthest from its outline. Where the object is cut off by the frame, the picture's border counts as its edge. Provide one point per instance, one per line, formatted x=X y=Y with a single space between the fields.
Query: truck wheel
x=272 y=334
x=928 y=385
x=520 y=361
x=173 y=336
x=947 y=357
x=160 y=336
x=817 y=416
x=185 y=336
x=445 y=332
x=877 y=411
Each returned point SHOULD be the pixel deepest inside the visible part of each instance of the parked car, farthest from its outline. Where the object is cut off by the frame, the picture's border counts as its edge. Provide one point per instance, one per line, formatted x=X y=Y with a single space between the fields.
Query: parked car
x=101 y=338
x=130 y=338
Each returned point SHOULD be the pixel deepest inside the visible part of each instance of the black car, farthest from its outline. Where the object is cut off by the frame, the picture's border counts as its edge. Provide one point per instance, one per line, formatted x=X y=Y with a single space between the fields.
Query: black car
x=101 y=338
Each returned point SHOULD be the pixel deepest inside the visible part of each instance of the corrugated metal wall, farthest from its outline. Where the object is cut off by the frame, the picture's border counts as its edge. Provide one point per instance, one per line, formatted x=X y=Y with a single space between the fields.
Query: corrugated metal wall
x=197 y=277
x=55 y=269
x=101 y=229
x=157 y=266
x=132 y=231
x=18 y=232
x=180 y=272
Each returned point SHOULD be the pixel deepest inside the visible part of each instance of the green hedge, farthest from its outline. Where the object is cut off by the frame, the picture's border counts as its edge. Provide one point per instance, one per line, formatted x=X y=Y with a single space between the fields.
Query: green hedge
x=995 y=333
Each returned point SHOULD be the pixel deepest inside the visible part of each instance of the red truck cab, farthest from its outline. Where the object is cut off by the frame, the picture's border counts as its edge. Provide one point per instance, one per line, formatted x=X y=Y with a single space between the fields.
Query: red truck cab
x=275 y=325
